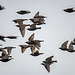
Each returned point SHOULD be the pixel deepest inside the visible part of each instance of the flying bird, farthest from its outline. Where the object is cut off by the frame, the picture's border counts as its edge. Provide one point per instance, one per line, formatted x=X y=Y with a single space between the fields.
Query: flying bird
x=64 y=46
x=39 y=16
x=48 y=61
x=22 y=29
x=9 y=49
x=33 y=27
x=36 y=43
x=38 y=21
x=24 y=47
x=22 y=12
x=36 y=53
x=69 y=10
x=10 y=37
x=6 y=58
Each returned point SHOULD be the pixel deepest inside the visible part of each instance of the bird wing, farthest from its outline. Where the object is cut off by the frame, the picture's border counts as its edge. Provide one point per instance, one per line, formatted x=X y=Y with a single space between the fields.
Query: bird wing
x=37 y=14
x=37 y=43
x=49 y=58
x=64 y=45
x=71 y=46
x=31 y=37
x=22 y=30
x=47 y=66
x=23 y=49
x=33 y=26
x=5 y=57
x=32 y=49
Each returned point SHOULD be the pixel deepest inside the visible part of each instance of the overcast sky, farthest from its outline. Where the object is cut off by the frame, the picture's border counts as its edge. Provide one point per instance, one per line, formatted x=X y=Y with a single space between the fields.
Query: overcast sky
x=59 y=27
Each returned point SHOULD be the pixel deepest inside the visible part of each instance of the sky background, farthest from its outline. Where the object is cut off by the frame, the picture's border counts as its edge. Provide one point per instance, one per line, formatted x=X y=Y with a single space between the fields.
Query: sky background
x=59 y=27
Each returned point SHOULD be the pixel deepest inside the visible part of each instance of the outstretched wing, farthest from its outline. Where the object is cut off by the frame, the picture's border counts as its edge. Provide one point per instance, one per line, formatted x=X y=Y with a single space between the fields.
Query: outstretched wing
x=31 y=37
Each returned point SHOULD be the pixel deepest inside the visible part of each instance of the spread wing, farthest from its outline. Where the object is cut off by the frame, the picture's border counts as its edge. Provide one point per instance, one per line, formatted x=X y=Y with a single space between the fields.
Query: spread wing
x=71 y=46
x=47 y=66
x=31 y=37
x=37 y=14
x=64 y=45
x=32 y=49
x=49 y=58
x=22 y=30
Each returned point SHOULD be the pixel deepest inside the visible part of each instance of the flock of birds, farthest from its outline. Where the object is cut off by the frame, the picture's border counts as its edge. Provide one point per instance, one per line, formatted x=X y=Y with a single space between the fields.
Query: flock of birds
x=32 y=43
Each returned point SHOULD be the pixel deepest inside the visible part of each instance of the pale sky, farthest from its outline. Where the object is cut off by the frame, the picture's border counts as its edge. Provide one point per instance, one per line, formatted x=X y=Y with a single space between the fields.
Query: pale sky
x=59 y=27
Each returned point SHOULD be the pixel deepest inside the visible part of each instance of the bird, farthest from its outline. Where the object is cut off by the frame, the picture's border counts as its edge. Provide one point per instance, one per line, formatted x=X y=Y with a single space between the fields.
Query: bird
x=2 y=7
x=48 y=61
x=69 y=10
x=33 y=27
x=22 y=29
x=19 y=21
x=12 y=37
x=22 y=12
x=38 y=21
x=24 y=47
x=4 y=53
x=36 y=43
x=36 y=53
x=9 y=49
x=64 y=46
x=71 y=48
x=6 y=58
x=39 y=16
x=2 y=38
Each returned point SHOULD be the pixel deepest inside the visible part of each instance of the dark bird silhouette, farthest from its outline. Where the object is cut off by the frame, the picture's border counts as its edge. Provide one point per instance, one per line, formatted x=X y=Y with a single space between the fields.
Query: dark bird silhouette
x=2 y=38
x=22 y=29
x=36 y=43
x=36 y=53
x=9 y=49
x=22 y=12
x=2 y=7
x=19 y=21
x=33 y=27
x=24 y=47
x=39 y=16
x=64 y=46
x=12 y=37
x=48 y=61
x=69 y=10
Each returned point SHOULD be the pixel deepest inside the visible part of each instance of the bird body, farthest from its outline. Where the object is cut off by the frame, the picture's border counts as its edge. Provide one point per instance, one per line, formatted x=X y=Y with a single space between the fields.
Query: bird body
x=39 y=16
x=33 y=27
x=36 y=53
x=22 y=12
x=69 y=10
